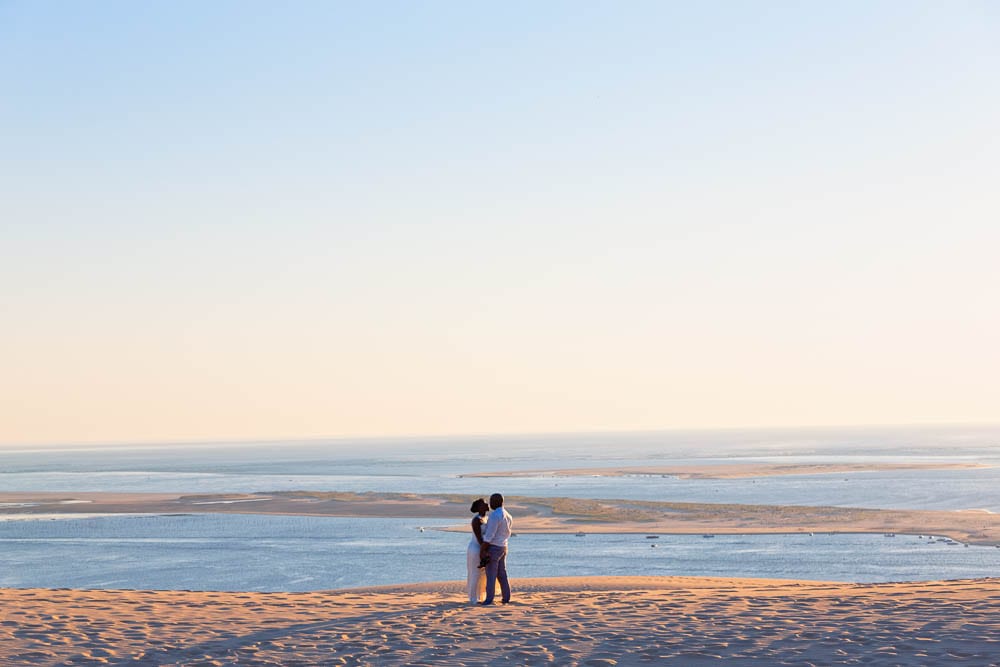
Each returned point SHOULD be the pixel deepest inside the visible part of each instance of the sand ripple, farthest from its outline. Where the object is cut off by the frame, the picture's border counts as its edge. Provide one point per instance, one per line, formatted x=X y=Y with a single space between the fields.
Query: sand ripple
x=598 y=621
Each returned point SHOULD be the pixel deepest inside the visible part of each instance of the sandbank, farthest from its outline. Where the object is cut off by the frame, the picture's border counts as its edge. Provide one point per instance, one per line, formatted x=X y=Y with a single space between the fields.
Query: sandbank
x=533 y=514
x=568 y=621
x=729 y=470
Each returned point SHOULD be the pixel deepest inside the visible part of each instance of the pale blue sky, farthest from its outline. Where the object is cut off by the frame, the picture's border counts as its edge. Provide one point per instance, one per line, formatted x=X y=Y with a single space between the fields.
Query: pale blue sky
x=239 y=219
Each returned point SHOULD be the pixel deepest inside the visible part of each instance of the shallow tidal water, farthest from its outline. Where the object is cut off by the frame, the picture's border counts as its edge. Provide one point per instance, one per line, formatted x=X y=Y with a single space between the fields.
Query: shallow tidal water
x=287 y=553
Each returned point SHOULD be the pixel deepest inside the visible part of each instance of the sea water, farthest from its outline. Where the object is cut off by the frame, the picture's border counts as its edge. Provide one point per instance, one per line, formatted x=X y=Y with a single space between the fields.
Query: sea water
x=294 y=553
x=237 y=552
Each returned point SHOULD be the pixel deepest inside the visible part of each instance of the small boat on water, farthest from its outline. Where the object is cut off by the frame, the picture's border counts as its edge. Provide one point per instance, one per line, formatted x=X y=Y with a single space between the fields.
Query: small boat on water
x=707 y=535
x=890 y=534
x=581 y=534
x=652 y=537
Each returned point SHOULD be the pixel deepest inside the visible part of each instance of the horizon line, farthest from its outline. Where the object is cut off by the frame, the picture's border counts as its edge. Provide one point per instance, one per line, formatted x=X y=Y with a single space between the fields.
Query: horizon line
x=263 y=440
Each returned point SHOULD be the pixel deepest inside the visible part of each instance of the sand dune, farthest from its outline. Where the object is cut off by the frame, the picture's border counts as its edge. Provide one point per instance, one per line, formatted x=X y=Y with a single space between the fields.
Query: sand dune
x=596 y=621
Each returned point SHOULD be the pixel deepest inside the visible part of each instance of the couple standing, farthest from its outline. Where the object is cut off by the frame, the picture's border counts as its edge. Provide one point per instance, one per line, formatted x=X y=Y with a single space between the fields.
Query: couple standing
x=486 y=556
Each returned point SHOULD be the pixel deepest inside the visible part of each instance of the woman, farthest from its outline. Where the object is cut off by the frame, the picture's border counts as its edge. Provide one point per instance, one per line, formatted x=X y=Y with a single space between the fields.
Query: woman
x=477 y=574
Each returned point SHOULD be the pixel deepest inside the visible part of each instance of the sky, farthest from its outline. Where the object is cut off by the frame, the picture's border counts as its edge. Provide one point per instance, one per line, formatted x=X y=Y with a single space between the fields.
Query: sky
x=250 y=219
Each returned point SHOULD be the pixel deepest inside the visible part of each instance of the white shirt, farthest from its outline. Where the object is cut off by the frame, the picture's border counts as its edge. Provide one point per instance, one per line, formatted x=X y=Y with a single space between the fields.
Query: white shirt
x=497 y=530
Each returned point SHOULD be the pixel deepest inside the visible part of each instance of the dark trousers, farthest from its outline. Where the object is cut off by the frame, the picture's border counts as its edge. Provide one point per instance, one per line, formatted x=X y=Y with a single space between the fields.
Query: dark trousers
x=496 y=570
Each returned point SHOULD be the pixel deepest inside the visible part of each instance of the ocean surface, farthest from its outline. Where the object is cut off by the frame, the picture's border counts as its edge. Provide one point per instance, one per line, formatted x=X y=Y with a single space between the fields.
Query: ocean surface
x=245 y=552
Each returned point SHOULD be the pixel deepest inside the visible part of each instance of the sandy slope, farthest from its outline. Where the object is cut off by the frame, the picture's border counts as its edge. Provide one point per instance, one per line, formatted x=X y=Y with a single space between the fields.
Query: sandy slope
x=597 y=621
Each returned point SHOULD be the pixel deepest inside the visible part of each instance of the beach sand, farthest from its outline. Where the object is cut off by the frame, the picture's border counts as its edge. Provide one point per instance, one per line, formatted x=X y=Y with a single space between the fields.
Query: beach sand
x=571 y=621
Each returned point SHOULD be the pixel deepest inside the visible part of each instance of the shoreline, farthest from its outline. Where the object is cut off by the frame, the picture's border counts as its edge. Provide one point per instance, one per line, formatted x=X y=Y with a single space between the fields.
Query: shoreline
x=624 y=621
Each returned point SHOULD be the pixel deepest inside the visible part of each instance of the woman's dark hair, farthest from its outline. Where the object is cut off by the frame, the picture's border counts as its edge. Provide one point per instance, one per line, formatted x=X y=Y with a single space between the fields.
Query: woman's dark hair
x=477 y=503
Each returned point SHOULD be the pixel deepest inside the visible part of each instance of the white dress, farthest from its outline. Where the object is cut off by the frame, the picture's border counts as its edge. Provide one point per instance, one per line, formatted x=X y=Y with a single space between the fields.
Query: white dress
x=476 y=584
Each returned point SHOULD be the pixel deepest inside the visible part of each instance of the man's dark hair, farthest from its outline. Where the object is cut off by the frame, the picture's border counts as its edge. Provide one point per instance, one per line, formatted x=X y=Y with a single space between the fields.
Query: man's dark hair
x=496 y=500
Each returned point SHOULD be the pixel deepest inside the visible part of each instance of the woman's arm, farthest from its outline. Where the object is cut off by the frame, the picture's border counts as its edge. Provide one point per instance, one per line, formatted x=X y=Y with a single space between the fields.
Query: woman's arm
x=490 y=530
x=477 y=528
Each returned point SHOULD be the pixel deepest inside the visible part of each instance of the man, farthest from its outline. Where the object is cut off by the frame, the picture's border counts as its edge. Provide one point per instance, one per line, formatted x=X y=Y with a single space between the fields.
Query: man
x=495 y=537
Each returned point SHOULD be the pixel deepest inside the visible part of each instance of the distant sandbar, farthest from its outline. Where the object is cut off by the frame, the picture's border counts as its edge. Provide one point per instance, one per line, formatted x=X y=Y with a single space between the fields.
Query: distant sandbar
x=729 y=470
